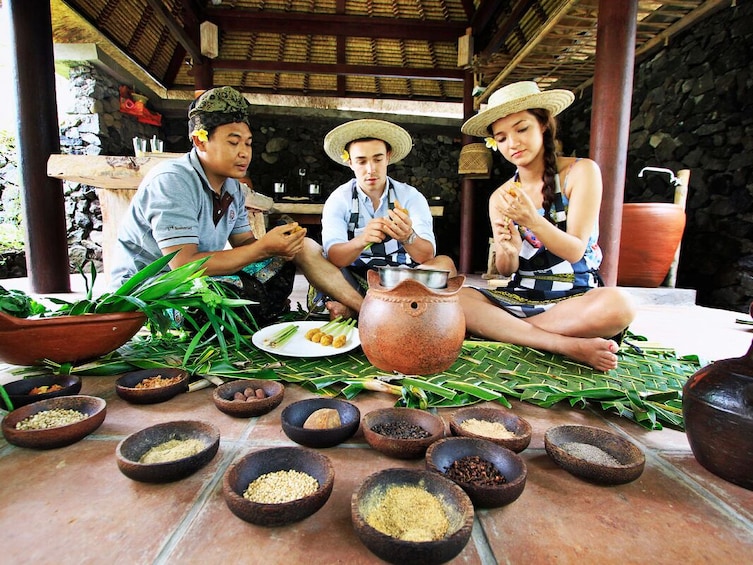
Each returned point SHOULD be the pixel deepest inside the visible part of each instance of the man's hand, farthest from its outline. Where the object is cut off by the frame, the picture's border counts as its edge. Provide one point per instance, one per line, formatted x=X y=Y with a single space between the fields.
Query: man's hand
x=284 y=241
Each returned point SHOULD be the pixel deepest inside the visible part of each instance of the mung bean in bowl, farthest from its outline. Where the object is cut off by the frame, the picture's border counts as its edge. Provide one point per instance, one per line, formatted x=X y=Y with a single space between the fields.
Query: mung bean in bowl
x=492 y=475
x=385 y=515
x=167 y=452
x=497 y=425
x=55 y=422
x=403 y=433
x=594 y=454
x=279 y=485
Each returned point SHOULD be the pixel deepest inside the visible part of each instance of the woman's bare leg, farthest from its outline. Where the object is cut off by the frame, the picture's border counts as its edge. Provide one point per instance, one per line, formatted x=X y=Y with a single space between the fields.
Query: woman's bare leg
x=486 y=320
x=601 y=312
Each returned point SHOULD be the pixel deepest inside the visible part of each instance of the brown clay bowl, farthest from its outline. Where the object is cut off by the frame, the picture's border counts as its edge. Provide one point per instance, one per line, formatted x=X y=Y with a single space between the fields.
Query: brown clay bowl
x=515 y=424
x=19 y=391
x=65 y=339
x=253 y=465
x=125 y=386
x=131 y=449
x=402 y=448
x=223 y=397
x=629 y=457
x=295 y=414
x=95 y=408
x=456 y=504
x=443 y=453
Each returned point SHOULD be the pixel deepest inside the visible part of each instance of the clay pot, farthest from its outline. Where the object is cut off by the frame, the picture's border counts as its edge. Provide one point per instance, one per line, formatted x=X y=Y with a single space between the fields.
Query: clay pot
x=651 y=234
x=65 y=339
x=717 y=405
x=411 y=328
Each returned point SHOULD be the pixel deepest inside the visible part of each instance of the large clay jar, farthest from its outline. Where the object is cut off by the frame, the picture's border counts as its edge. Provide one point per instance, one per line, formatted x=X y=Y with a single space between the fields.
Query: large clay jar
x=410 y=328
x=651 y=234
x=717 y=405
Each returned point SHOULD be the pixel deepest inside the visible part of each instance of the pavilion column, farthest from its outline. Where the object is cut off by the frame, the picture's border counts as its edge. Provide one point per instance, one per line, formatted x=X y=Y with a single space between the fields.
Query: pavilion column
x=203 y=76
x=466 y=190
x=610 y=119
x=38 y=138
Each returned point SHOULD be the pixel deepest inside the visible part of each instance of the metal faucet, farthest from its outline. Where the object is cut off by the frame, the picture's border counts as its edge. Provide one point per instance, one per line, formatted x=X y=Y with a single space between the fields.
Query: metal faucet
x=672 y=178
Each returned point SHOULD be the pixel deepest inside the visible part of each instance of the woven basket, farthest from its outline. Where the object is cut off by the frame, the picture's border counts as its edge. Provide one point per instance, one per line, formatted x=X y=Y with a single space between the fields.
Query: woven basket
x=475 y=161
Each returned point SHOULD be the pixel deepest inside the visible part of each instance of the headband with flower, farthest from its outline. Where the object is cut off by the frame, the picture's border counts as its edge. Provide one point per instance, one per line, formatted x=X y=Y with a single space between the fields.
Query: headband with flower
x=216 y=107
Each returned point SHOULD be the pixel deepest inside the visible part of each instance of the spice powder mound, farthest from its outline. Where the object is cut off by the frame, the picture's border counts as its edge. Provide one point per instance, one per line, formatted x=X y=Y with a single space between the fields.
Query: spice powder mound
x=172 y=450
x=409 y=513
x=495 y=430
x=590 y=453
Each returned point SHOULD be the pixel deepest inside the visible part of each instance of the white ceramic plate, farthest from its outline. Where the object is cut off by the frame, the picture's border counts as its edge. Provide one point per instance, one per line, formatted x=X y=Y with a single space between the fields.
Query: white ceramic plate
x=298 y=345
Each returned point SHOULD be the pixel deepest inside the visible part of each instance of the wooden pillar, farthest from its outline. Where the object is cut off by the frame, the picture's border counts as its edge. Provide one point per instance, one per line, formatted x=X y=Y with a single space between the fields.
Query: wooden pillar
x=203 y=76
x=38 y=138
x=466 y=189
x=610 y=119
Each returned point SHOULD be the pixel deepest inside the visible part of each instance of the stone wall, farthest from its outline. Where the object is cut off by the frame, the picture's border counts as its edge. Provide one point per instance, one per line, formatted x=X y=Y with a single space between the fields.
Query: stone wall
x=693 y=109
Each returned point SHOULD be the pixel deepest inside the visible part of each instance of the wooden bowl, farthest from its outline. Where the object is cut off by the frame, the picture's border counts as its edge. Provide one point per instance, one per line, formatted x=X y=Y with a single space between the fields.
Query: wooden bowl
x=629 y=459
x=253 y=465
x=402 y=448
x=20 y=392
x=294 y=416
x=443 y=453
x=125 y=386
x=455 y=502
x=65 y=339
x=515 y=424
x=131 y=449
x=223 y=397
x=92 y=406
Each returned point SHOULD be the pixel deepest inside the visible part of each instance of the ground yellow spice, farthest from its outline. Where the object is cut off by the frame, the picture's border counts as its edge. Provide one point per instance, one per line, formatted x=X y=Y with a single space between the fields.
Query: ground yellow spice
x=496 y=430
x=172 y=450
x=409 y=513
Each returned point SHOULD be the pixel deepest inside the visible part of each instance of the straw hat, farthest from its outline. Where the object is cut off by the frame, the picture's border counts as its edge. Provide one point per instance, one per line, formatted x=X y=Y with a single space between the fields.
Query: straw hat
x=336 y=140
x=513 y=98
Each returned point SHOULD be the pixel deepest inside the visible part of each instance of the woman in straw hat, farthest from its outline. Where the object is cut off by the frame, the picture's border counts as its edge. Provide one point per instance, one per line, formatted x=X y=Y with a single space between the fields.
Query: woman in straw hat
x=374 y=220
x=545 y=228
x=195 y=205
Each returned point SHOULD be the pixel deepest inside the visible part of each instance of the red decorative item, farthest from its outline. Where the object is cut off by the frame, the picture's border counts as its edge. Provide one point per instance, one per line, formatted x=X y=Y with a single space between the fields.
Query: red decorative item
x=137 y=107
x=411 y=328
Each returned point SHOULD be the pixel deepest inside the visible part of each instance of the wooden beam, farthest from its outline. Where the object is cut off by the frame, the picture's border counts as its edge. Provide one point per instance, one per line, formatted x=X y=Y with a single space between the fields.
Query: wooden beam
x=454 y=74
x=175 y=28
x=291 y=23
x=555 y=17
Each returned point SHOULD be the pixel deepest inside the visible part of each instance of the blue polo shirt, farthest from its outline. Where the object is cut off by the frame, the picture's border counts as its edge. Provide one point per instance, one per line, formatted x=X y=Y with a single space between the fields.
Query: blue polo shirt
x=173 y=206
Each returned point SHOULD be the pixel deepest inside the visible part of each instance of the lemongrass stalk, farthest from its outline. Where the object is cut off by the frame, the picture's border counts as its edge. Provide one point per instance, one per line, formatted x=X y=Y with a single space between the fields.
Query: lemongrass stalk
x=283 y=336
x=278 y=334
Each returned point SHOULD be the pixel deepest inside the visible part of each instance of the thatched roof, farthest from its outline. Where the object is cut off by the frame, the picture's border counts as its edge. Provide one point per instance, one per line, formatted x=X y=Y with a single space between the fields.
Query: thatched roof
x=383 y=49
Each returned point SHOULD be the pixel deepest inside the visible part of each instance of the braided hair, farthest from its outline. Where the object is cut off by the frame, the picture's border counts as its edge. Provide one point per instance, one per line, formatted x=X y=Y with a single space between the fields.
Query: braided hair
x=549 y=125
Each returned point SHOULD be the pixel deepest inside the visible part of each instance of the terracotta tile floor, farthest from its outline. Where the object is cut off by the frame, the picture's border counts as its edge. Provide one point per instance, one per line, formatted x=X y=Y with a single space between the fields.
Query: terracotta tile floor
x=72 y=505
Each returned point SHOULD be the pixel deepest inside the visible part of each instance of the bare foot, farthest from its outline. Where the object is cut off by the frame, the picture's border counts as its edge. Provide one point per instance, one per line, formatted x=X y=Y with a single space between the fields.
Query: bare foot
x=596 y=352
x=337 y=309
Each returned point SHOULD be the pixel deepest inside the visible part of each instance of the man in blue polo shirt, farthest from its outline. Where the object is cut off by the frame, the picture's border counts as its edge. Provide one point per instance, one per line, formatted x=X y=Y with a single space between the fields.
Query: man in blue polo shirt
x=195 y=205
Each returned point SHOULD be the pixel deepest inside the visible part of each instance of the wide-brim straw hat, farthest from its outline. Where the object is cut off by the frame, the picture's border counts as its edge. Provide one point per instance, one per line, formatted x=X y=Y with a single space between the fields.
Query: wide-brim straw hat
x=336 y=140
x=513 y=98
